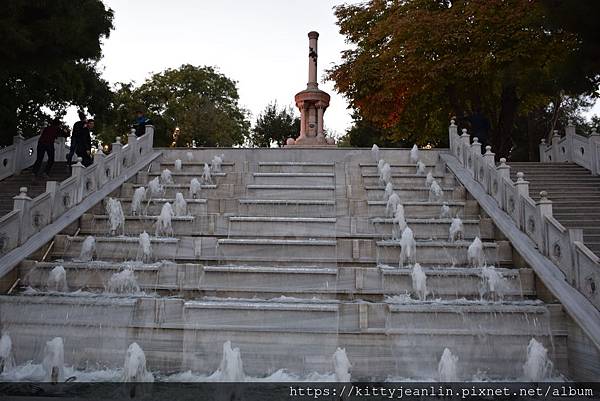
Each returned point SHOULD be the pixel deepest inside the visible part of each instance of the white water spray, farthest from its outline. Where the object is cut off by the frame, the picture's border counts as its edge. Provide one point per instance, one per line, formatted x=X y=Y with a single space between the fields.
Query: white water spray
x=341 y=365
x=447 y=367
x=144 y=252
x=420 y=168
x=428 y=180
x=206 y=174
x=178 y=165
x=408 y=247
x=7 y=360
x=116 y=217
x=389 y=190
x=156 y=190
x=435 y=192
x=166 y=177
x=123 y=282
x=375 y=152
x=189 y=156
x=414 y=154
x=419 y=281
x=380 y=165
x=445 y=211
x=475 y=253
x=57 y=280
x=164 y=226
x=494 y=281
x=134 y=369
x=54 y=360
x=88 y=249
x=180 y=205
x=231 y=368
x=537 y=367
x=139 y=195
x=398 y=222
x=216 y=163
x=386 y=174
x=195 y=187
x=392 y=203
x=457 y=230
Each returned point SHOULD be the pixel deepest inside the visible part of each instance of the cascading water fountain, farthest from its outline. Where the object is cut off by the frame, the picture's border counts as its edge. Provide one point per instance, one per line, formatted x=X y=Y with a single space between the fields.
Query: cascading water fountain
x=189 y=156
x=134 y=369
x=123 y=282
x=7 y=360
x=57 y=280
x=341 y=365
x=428 y=180
x=164 y=226
x=475 y=253
x=180 y=205
x=421 y=168
x=178 y=165
x=144 y=252
x=448 y=367
x=88 y=249
x=386 y=174
x=419 y=282
x=445 y=211
x=375 y=152
x=155 y=188
x=195 y=187
x=457 y=230
x=116 y=217
x=389 y=190
x=398 y=222
x=54 y=360
x=206 y=174
x=494 y=282
x=414 y=154
x=231 y=368
x=166 y=177
x=392 y=204
x=408 y=247
x=216 y=163
x=380 y=165
x=435 y=192
x=537 y=367
x=139 y=196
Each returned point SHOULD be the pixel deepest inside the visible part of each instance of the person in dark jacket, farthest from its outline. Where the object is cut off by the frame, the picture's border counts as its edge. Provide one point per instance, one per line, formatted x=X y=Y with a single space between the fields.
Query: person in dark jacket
x=140 y=123
x=82 y=143
x=45 y=146
x=76 y=133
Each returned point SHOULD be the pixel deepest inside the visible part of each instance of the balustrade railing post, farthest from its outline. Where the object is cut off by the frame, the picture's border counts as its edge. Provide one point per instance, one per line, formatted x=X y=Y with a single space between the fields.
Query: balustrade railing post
x=523 y=192
x=575 y=235
x=452 y=135
x=544 y=209
x=489 y=157
x=543 y=147
x=77 y=171
x=18 y=141
x=133 y=144
x=117 y=148
x=569 y=144
x=60 y=154
x=52 y=188
x=22 y=202
x=101 y=177
x=555 y=150
x=465 y=139
x=503 y=174
x=594 y=141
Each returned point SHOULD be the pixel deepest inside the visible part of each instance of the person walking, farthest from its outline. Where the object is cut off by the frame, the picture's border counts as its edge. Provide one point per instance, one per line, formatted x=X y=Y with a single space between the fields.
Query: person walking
x=77 y=127
x=45 y=146
x=83 y=143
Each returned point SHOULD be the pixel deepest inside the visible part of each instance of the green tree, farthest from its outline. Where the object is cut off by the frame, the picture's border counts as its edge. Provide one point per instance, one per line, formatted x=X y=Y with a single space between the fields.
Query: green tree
x=416 y=63
x=275 y=125
x=48 y=55
x=201 y=102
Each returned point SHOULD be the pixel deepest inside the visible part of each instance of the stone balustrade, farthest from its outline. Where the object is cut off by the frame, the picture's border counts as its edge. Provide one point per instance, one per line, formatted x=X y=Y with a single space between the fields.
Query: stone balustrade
x=574 y=148
x=22 y=154
x=31 y=215
x=565 y=247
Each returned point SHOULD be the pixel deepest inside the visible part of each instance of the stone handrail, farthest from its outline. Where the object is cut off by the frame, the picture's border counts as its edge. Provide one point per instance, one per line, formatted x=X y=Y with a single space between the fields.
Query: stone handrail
x=580 y=266
x=31 y=215
x=574 y=148
x=22 y=154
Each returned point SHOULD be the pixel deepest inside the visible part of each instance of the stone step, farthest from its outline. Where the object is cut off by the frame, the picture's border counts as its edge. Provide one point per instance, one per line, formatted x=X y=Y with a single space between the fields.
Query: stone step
x=293 y=178
x=268 y=249
x=400 y=168
x=426 y=209
x=153 y=207
x=287 y=207
x=207 y=191
x=428 y=228
x=231 y=281
x=196 y=167
x=375 y=193
x=401 y=180
x=182 y=178
x=296 y=167
x=291 y=191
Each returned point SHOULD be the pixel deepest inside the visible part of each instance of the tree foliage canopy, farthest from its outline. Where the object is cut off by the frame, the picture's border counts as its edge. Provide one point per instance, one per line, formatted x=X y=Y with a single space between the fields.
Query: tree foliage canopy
x=413 y=64
x=201 y=102
x=276 y=125
x=48 y=55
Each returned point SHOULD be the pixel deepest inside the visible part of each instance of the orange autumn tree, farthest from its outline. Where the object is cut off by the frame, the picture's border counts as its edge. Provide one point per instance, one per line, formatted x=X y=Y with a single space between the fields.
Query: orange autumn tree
x=413 y=64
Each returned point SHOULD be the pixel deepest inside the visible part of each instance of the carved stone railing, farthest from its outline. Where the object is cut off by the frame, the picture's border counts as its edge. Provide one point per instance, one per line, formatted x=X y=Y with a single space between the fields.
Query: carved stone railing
x=574 y=148
x=31 y=215
x=22 y=154
x=580 y=266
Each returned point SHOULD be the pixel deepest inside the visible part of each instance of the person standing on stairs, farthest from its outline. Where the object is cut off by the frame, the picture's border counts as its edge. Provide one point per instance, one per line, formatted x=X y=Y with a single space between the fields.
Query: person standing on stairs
x=75 y=135
x=45 y=146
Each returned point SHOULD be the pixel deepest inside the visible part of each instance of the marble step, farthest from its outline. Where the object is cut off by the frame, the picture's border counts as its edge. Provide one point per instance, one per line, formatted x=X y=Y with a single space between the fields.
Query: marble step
x=400 y=179
x=290 y=191
x=207 y=191
x=195 y=167
x=153 y=207
x=287 y=207
x=426 y=209
x=293 y=178
x=296 y=167
x=413 y=193
x=182 y=177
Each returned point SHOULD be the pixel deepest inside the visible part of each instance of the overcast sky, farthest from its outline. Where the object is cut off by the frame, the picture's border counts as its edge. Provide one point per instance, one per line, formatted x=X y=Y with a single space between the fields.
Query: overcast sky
x=261 y=44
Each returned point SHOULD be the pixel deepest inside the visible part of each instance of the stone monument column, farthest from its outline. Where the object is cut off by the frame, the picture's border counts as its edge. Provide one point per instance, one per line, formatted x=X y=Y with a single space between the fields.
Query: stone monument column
x=312 y=103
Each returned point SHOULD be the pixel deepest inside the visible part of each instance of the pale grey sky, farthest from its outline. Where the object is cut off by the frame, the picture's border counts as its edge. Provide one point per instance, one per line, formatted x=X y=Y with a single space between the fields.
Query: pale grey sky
x=261 y=44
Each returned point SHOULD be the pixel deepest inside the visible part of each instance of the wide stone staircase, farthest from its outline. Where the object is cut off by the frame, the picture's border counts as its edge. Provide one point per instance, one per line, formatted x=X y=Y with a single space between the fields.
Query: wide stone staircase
x=289 y=255
x=10 y=186
x=574 y=192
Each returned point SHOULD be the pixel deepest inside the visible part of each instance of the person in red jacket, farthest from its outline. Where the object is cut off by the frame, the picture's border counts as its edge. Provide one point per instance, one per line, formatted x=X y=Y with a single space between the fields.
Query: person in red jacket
x=45 y=145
